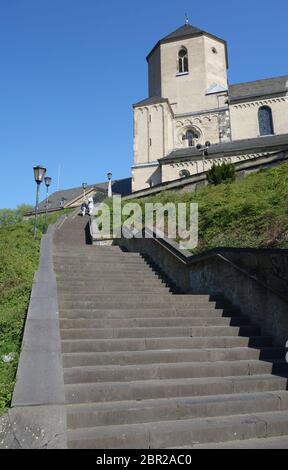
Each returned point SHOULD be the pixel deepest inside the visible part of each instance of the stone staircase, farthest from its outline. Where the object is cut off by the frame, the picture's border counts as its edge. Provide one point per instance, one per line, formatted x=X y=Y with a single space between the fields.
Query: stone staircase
x=145 y=368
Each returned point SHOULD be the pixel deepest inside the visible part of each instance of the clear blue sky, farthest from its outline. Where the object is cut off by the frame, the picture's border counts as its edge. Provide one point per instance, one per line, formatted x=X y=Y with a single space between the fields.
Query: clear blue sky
x=71 y=70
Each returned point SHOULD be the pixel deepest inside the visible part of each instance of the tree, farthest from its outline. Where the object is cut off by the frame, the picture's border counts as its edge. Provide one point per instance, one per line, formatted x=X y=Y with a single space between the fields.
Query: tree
x=224 y=173
x=12 y=216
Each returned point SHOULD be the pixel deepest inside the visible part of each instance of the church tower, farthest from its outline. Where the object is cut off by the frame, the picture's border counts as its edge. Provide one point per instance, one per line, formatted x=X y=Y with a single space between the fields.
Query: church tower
x=187 y=101
x=185 y=67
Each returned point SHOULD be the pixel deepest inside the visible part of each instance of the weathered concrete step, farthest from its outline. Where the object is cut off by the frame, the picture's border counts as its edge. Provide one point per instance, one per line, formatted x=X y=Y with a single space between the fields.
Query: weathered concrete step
x=142 y=344
x=193 y=311
x=112 y=269
x=182 y=408
x=130 y=302
x=153 y=322
x=158 y=332
x=151 y=389
x=67 y=291
x=93 y=283
x=160 y=435
x=61 y=248
x=187 y=300
x=89 y=250
x=190 y=299
x=97 y=261
x=98 y=256
x=170 y=356
x=127 y=373
x=162 y=297
x=71 y=276
x=264 y=443
x=91 y=256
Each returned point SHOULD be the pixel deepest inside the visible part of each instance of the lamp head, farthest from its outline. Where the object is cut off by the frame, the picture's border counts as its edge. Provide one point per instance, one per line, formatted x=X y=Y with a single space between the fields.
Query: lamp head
x=48 y=181
x=39 y=173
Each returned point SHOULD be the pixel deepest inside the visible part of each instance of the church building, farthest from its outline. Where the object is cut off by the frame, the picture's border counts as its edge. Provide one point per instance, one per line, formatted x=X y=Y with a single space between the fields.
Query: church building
x=191 y=102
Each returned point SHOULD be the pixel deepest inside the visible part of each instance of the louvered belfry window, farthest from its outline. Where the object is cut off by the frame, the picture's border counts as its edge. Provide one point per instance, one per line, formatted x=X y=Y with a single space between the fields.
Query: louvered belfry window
x=265 y=117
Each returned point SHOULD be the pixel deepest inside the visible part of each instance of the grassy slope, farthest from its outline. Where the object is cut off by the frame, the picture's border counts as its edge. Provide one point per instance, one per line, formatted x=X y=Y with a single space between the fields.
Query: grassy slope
x=19 y=255
x=252 y=212
x=18 y=262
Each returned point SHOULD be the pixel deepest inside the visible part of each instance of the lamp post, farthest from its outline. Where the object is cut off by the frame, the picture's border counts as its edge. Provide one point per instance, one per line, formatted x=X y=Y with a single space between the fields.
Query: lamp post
x=204 y=151
x=109 y=176
x=39 y=173
x=48 y=182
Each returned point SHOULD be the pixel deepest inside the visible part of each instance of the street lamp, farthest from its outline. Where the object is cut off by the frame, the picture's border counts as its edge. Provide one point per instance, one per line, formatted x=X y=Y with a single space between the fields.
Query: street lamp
x=48 y=182
x=204 y=151
x=39 y=173
x=109 y=176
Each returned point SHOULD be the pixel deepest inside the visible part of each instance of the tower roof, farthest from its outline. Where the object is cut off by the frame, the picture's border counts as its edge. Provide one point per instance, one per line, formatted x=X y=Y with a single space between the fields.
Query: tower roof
x=184 y=32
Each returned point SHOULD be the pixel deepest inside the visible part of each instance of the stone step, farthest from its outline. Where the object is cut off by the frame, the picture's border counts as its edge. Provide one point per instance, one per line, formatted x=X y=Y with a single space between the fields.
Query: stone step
x=105 y=288
x=142 y=344
x=128 y=373
x=163 y=296
x=147 y=369
x=151 y=389
x=111 y=269
x=163 y=434
x=158 y=332
x=94 y=283
x=95 y=254
x=280 y=442
x=131 y=302
x=90 y=250
x=187 y=300
x=153 y=322
x=193 y=311
x=90 y=263
x=181 y=408
x=173 y=299
x=72 y=276
x=170 y=356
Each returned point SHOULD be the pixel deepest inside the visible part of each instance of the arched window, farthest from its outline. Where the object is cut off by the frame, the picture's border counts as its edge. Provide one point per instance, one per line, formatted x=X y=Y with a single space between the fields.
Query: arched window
x=190 y=136
x=183 y=60
x=265 y=118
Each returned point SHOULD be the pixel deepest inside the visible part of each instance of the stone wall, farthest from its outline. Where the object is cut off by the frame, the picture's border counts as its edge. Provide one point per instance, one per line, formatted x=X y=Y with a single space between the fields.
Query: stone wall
x=255 y=281
x=244 y=117
x=249 y=164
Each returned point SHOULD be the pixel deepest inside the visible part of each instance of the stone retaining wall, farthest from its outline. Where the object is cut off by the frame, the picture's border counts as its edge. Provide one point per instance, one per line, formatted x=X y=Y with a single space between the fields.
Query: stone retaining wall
x=256 y=281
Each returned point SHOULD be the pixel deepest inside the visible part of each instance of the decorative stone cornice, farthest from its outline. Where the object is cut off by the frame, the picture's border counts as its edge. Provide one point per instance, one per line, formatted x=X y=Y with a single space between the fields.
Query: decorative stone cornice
x=258 y=103
x=200 y=113
x=217 y=160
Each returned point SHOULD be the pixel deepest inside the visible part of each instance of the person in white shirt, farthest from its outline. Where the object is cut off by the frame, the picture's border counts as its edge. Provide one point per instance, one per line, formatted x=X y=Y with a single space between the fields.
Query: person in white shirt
x=90 y=205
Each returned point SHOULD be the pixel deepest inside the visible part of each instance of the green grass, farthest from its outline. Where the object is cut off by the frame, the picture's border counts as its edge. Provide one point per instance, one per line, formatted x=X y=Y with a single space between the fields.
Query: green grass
x=252 y=212
x=19 y=257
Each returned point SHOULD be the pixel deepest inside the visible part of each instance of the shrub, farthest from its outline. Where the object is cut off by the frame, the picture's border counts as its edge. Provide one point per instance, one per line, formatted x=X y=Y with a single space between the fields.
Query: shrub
x=224 y=173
